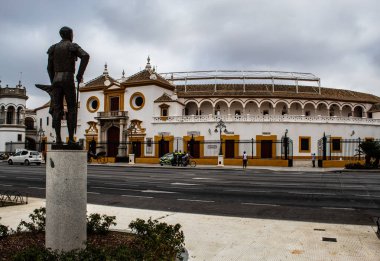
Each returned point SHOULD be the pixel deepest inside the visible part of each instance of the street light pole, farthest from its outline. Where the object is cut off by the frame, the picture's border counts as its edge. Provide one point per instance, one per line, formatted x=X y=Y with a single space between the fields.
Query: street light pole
x=132 y=129
x=41 y=133
x=221 y=126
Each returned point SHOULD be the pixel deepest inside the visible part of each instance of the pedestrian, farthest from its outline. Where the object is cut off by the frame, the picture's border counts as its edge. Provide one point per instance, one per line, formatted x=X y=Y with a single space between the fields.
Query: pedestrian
x=313 y=159
x=245 y=159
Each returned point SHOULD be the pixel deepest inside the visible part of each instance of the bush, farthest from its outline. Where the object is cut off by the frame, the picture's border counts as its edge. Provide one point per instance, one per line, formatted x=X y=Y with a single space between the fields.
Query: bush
x=358 y=165
x=158 y=241
x=38 y=223
x=97 y=224
x=4 y=231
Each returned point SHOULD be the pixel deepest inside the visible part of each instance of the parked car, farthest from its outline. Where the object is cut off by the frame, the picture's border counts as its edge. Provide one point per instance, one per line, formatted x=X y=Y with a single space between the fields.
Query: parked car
x=26 y=157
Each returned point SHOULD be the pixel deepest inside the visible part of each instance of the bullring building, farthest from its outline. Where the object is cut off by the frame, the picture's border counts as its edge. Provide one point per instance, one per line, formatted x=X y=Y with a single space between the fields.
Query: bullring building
x=211 y=113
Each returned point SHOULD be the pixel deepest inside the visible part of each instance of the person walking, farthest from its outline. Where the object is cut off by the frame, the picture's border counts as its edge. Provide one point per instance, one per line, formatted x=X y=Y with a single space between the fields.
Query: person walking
x=313 y=159
x=245 y=160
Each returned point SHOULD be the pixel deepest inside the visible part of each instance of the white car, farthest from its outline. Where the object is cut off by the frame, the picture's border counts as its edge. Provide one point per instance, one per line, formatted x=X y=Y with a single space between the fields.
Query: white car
x=26 y=157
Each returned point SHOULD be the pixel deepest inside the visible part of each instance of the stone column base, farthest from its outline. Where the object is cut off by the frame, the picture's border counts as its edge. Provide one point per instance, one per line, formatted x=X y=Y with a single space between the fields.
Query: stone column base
x=220 y=160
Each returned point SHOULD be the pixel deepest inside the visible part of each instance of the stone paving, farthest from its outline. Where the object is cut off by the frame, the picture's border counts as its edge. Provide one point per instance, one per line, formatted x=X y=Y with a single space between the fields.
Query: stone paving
x=230 y=238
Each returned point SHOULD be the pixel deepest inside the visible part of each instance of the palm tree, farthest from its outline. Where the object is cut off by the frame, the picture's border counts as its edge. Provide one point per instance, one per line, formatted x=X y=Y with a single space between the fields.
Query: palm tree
x=371 y=149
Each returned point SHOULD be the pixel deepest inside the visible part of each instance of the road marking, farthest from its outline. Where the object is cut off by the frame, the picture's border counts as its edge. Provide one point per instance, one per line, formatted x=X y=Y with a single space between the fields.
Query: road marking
x=241 y=190
x=5 y=185
x=96 y=193
x=339 y=208
x=196 y=200
x=133 y=196
x=3 y=176
x=157 y=191
x=36 y=188
x=362 y=195
x=260 y=204
x=115 y=188
x=121 y=183
x=28 y=178
x=311 y=193
x=184 y=184
x=203 y=178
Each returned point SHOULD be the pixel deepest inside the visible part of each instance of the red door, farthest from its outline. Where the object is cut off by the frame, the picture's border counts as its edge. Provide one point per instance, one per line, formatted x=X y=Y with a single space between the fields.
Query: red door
x=113 y=134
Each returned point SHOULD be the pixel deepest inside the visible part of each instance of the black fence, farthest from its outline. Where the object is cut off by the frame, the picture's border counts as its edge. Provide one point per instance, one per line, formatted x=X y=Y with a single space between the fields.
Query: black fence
x=265 y=149
x=335 y=148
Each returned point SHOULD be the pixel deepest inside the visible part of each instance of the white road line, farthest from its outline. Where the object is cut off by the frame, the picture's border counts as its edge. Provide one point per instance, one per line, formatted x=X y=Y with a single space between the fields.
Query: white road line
x=36 y=188
x=203 y=178
x=157 y=191
x=121 y=183
x=96 y=193
x=338 y=208
x=362 y=195
x=3 y=176
x=115 y=188
x=5 y=185
x=184 y=184
x=28 y=178
x=240 y=190
x=133 y=196
x=259 y=204
x=311 y=193
x=196 y=200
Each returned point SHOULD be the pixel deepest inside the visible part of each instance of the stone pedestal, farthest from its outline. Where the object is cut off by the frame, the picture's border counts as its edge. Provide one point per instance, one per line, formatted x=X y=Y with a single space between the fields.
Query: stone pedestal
x=220 y=160
x=66 y=199
x=131 y=159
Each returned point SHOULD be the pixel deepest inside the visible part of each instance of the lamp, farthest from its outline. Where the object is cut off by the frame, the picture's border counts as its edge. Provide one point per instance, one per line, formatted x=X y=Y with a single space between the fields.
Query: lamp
x=221 y=126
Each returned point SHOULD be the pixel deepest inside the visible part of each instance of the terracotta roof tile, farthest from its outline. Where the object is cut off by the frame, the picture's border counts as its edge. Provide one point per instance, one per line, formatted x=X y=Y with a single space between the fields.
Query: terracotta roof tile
x=145 y=75
x=164 y=98
x=281 y=91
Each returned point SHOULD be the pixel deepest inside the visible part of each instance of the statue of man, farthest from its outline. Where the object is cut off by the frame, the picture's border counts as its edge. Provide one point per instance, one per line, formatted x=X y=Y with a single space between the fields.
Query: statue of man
x=61 y=69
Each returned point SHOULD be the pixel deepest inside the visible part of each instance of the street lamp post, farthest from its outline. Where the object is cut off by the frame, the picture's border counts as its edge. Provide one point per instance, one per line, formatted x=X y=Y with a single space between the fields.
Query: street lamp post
x=41 y=133
x=221 y=126
x=132 y=129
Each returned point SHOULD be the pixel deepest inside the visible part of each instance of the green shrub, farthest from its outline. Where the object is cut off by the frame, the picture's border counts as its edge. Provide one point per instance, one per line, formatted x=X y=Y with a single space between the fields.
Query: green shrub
x=4 y=231
x=97 y=224
x=91 y=253
x=158 y=241
x=358 y=165
x=38 y=223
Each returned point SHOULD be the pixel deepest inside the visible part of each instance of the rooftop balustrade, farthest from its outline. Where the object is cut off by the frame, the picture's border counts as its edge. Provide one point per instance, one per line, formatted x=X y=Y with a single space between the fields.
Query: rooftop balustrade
x=267 y=118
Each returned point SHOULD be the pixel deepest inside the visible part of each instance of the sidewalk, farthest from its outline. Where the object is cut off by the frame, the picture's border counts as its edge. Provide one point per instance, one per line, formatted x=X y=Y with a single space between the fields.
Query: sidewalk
x=244 y=239
x=213 y=167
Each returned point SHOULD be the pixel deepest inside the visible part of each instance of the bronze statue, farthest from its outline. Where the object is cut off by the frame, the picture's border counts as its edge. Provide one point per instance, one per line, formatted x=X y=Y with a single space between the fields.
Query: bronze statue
x=61 y=69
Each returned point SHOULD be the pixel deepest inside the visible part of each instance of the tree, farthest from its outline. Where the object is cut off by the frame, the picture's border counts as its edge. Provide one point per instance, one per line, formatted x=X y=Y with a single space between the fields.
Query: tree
x=371 y=149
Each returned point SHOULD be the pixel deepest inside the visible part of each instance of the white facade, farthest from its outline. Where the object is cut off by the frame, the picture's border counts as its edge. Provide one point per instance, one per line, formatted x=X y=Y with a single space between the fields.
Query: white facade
x=12 y=116
x=161 y=108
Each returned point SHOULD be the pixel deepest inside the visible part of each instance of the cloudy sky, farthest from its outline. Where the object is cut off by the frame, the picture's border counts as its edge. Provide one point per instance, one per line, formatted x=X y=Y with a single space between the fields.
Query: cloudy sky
x=337 y=40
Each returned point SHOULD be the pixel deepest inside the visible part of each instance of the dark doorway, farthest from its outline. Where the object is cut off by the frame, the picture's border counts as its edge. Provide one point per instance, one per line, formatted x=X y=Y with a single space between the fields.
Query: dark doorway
x=230 y=149
x=113 y=134
x=30 y=144
x=266 y=149
x=137 y=148
x=193 y=147
x=163 y=147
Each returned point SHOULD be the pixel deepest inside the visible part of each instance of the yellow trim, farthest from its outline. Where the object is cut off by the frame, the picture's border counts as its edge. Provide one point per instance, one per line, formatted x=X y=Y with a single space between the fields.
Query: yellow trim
x=340 y=144
x=89 y=100
x=107 y=97
x=141 y=139
x=273 y=138
x=166 y=138
x=89 y=139
x=186 y=140
x=299 y=144
x=236 y=144
x=67 y=139
x=369 y=139
x=131 y=101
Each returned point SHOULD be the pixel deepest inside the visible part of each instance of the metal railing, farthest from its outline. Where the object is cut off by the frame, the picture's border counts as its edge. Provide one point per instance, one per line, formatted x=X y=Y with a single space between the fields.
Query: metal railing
x=12 y=198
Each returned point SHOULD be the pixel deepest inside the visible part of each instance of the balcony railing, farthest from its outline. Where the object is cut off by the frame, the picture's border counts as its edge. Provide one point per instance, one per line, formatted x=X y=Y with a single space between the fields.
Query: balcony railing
x=267 y=118
x=112 y=114
x=11 y=122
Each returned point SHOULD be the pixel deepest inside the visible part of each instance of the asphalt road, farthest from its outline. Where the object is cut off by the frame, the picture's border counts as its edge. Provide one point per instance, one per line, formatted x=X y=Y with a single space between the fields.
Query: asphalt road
x=347 y=197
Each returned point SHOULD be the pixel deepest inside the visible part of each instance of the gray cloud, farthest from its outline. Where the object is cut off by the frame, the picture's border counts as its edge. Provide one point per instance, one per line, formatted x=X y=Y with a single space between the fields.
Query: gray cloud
x=336 y=40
